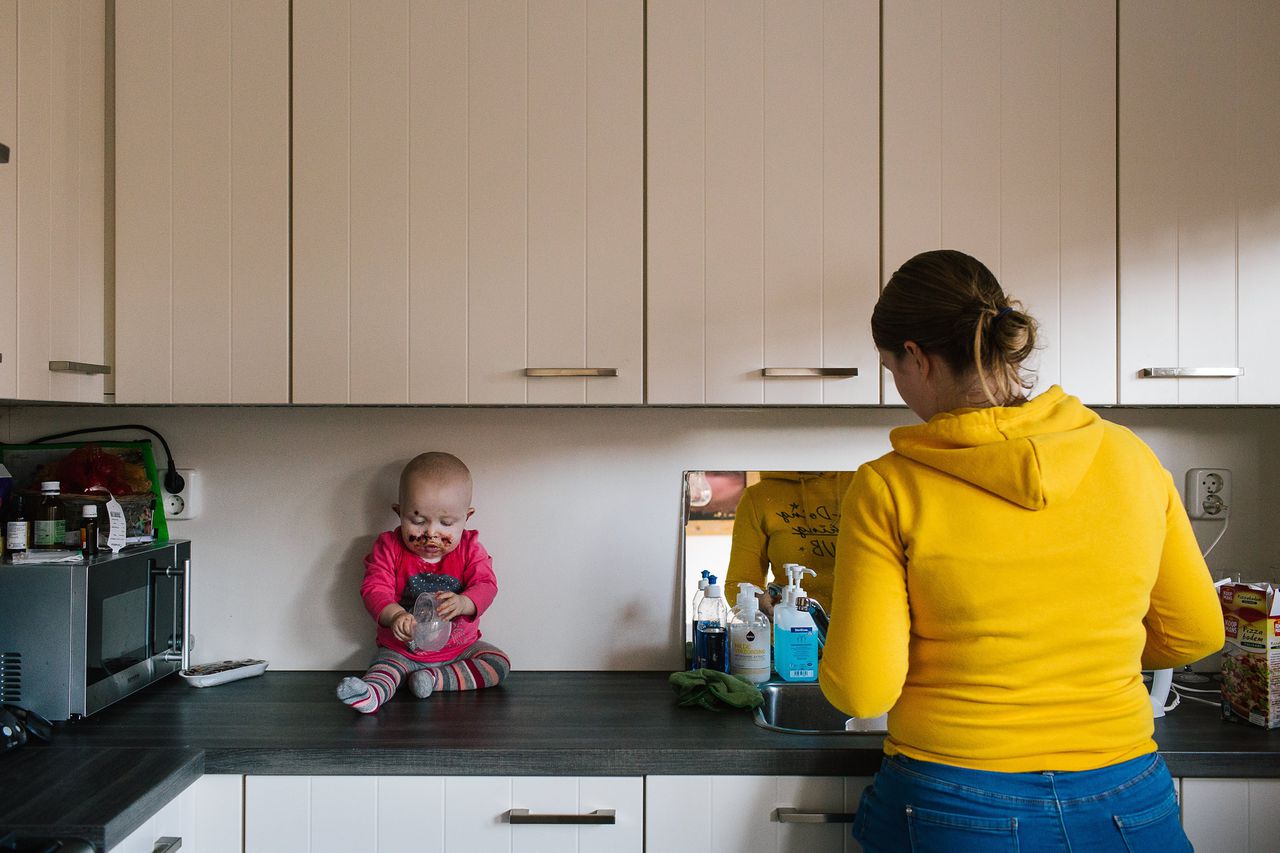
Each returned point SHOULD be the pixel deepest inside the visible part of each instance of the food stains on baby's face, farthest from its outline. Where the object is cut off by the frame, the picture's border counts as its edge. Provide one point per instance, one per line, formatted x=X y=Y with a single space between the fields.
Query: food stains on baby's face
x=433 y=517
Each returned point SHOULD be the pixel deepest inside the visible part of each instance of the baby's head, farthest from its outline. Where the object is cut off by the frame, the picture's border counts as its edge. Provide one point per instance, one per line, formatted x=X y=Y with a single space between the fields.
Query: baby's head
x=434 y=505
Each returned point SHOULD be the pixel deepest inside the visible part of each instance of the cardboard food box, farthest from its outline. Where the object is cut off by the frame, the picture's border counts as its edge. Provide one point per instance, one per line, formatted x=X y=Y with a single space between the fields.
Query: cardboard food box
x=1251 y=657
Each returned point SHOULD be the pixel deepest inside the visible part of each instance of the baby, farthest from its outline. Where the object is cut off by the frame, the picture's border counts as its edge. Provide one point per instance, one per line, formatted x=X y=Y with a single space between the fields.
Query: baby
x=429 y=552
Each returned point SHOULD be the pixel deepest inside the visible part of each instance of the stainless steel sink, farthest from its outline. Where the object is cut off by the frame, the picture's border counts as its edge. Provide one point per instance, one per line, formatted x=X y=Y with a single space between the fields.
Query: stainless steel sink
x=801 y=709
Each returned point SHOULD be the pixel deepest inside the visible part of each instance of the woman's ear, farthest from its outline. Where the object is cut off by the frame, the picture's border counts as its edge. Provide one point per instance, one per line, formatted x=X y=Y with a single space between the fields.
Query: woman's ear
x=918 y=358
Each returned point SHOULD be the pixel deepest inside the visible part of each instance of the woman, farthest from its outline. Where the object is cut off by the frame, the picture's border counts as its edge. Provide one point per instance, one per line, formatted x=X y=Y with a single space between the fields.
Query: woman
x=1002 y=576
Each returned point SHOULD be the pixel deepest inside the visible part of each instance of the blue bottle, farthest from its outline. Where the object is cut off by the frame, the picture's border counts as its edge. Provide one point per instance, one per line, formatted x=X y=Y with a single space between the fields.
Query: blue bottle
x=711 y=637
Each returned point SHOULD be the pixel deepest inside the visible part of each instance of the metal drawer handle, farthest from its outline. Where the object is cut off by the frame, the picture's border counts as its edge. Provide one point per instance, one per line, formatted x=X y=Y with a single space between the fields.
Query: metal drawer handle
x=167 y=844
x=571 y=371
x=1190 y=372
x=4 y=153
x=78 y=367
x=595 y=818
x=788 y=815
x=809 y=371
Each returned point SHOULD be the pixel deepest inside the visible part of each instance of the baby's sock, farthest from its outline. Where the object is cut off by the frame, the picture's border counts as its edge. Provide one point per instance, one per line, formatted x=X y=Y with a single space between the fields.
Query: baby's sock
x=422 y=682
x=379 y=683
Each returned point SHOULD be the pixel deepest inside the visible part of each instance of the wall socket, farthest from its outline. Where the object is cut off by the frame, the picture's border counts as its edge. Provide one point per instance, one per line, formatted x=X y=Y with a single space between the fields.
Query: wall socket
x=185 y=505
x=1208 y=493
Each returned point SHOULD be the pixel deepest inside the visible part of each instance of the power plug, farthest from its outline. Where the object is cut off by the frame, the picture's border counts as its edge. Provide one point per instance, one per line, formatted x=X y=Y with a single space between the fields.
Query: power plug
x=185 y=505
x=1208 y=493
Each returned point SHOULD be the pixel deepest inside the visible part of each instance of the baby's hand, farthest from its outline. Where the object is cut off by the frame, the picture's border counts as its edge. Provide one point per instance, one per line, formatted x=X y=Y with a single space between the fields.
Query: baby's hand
x=402 y=627
x=452 y=604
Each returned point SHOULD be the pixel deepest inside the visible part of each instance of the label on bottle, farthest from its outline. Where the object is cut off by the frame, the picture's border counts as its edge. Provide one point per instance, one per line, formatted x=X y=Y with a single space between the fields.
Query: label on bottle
x=749 y=653
x=15 y=536
x=50 y=534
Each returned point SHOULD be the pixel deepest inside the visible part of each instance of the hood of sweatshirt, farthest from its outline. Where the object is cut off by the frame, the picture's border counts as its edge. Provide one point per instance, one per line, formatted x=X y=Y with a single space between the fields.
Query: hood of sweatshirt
x=1032 y=455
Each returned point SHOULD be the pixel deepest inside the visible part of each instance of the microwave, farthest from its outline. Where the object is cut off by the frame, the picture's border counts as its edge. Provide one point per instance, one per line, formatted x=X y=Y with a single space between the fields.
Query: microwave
x=75 y=637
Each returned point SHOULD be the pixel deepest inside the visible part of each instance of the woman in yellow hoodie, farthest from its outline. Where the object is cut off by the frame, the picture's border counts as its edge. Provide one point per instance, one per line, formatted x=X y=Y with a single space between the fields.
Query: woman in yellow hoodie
x=1002 y=576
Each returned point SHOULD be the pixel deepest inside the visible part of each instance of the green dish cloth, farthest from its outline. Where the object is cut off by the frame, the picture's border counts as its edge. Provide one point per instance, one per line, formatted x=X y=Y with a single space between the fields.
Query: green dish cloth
x=711 y=689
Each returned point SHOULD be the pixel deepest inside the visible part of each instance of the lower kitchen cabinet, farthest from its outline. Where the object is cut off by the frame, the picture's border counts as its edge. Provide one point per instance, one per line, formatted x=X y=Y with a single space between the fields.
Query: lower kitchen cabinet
x=1241 y=815
x=319 y=814
x=205 y=818
x=751 y=814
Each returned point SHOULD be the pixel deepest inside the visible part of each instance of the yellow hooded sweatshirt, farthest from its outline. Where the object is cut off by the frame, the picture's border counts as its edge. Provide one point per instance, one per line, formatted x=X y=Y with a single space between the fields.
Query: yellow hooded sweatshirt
x=1001 y=578
x=787 y=517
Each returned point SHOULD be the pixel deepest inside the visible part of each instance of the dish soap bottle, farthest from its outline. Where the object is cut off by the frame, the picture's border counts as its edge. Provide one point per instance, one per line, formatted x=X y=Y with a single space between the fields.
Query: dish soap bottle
x=693 y=613
x=795 y=635
x=710 y=646
x=749 y=637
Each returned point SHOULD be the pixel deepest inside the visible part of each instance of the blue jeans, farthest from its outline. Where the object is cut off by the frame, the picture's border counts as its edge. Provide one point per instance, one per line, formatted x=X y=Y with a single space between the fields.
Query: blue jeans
x=922 y=806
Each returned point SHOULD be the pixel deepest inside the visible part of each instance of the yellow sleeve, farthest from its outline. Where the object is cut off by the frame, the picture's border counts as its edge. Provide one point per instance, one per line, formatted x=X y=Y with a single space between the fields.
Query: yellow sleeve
x=1184 y=618
x=748 y=552
x=864 y=663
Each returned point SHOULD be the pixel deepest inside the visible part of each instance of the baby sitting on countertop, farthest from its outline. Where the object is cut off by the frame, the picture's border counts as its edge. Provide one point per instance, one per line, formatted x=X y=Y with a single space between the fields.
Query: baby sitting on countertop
x=429 y=552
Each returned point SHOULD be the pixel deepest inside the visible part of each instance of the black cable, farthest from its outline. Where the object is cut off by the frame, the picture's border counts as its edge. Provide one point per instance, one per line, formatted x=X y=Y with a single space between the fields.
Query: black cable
x=173 y=481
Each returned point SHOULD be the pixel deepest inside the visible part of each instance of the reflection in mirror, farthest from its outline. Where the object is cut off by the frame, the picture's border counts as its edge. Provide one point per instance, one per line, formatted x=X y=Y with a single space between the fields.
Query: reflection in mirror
x=754 y=522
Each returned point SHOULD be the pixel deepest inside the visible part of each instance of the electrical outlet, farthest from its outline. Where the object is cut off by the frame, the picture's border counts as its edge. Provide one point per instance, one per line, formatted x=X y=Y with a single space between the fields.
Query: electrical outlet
x=185 y=505
x=1208 y=493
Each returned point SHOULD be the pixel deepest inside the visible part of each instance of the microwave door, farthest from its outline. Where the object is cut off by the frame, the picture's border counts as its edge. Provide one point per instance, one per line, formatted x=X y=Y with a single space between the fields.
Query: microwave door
x=134 y=608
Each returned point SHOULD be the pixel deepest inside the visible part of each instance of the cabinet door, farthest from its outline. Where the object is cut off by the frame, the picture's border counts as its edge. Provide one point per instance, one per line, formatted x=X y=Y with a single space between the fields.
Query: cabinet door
x=8 y=200
x=763 y=200
x=202 y=201
x=205 y=818
x=750 y=814
x=467 y=198
x=999 y=141
x=1232 y=814
x=318 y=814
x=1199 y=199
x=52 y=198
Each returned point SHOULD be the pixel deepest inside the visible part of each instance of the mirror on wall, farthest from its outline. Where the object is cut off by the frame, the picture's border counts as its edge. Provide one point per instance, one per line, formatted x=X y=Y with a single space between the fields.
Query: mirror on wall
x=742 y=526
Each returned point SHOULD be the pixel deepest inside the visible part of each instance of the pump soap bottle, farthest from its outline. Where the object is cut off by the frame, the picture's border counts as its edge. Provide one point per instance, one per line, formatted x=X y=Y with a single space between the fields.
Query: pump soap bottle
x=795 y=634
x=710 y=646
x=749 y=637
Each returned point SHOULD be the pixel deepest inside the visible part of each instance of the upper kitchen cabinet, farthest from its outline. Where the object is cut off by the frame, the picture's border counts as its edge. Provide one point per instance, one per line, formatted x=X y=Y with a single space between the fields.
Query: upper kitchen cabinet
x=468 y=201
x=1000 y=141
x=763 y=201
x=202 y=201
x=1199 y=201
x=52 y=200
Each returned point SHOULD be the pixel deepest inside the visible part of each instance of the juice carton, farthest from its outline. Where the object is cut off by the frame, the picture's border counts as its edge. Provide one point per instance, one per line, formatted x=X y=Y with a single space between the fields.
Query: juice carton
x=1251 y=657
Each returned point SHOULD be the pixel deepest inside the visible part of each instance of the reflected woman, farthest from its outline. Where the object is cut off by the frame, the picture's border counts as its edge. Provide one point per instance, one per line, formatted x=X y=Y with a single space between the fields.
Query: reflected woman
x=787 y=517
x=1002 y=576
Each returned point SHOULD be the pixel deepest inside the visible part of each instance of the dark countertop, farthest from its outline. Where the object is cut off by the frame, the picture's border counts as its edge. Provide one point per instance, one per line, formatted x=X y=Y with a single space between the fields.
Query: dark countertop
x=149 y=747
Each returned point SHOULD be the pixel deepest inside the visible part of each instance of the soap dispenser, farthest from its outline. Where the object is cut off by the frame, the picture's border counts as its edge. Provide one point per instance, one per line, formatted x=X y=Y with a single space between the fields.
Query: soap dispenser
x=795 y=635
x=710 y=639
x=749 y=637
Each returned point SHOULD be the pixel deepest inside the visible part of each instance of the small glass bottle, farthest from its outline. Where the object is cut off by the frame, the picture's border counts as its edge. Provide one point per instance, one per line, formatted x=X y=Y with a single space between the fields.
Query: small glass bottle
x=17 y=529
x=89 y=531
x=49 y=527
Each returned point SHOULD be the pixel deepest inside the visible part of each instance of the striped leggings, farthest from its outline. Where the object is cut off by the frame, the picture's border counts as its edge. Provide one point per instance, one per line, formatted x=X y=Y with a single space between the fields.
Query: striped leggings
x=481 y=664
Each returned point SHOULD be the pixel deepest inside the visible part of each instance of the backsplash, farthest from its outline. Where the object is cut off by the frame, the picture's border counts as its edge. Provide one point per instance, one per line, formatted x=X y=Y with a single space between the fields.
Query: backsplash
x=579 y=507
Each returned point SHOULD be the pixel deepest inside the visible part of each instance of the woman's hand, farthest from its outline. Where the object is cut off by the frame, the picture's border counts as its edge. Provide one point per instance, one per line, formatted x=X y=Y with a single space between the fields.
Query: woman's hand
x=402 y=627
x=453 y=604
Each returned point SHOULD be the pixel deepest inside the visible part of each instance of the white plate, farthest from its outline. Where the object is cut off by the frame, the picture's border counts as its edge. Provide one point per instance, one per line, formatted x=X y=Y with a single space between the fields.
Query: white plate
x=209 y=674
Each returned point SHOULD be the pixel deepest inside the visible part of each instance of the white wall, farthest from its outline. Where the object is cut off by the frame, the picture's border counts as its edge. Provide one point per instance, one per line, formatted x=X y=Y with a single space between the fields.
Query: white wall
x=580 y=508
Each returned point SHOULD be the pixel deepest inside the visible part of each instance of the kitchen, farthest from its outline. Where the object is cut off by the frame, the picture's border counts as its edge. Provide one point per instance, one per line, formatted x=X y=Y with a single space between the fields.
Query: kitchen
x=252 y=257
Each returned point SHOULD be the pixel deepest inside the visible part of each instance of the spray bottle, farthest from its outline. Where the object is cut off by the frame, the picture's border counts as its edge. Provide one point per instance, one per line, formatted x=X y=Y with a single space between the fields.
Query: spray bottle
x=749 y=637
x=795 y=634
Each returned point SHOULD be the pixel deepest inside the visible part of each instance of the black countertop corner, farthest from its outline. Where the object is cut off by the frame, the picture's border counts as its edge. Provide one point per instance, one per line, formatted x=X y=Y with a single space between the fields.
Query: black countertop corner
x=105 y=776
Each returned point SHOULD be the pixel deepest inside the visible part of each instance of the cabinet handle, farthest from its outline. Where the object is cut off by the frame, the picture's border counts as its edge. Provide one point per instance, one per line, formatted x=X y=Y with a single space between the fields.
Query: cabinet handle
x=4 y=153
x=787 y=815
x=595 y=818
x=809 y=371
x=1190 y=372
x=571 y=371
x=78 y=367
x=167 y=844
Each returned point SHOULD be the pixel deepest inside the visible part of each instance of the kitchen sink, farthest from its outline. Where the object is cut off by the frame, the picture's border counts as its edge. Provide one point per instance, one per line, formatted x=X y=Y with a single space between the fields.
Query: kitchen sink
x=800 y=708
